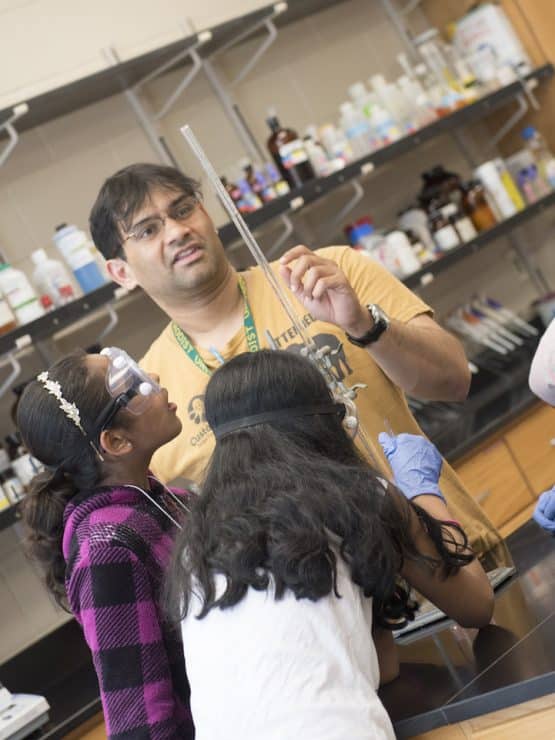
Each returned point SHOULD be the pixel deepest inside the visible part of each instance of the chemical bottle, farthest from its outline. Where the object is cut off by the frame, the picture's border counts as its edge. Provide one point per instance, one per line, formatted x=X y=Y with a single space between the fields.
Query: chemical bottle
x=476 y=206
x=384 y=126
x=443 y=231
x=80 y=255
x=280 y=185
x=336 y=145
x=357 y=130
x=362 y=99
x=52 y=279
x=289 y=153
x=398 y=243
x=16 y=287
x=322 y=164
x=462 y=224
x=263 y=189
x=7 y=318
x=394 y=102
x=416 y=220
x=498 y=196
x=439 y=185
x=537 y=146
x=487 y=25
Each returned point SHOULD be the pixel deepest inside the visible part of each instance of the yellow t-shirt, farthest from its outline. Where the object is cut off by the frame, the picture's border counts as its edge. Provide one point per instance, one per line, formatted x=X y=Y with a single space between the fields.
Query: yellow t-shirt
x=381 y=405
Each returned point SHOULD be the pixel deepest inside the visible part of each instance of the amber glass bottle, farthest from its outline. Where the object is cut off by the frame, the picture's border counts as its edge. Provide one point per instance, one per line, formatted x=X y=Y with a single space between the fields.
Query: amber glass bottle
x=289 y=153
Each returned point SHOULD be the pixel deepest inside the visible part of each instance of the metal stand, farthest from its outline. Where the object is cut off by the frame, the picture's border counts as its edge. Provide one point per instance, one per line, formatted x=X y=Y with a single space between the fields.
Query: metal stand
x=8 y=127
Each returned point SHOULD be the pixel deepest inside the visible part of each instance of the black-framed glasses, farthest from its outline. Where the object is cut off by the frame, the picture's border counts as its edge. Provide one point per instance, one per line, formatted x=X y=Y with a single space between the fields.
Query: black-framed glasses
x=150 y=228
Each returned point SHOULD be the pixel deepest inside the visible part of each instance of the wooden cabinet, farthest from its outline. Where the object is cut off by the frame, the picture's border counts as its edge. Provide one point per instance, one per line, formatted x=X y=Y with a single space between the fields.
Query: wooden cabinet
x=495 y=481
x=507 y=473
x=532 y=444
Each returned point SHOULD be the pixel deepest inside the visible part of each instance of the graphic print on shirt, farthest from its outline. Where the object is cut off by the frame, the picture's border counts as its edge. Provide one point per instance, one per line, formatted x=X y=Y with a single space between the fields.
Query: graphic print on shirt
x=284 y=341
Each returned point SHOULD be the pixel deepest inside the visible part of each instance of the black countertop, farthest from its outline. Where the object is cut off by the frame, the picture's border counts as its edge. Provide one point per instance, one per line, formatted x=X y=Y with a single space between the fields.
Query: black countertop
x=455 y=674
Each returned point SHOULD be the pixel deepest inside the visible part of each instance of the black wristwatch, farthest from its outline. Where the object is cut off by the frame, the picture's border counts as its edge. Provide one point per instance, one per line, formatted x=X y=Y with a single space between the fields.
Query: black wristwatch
x=381 y=322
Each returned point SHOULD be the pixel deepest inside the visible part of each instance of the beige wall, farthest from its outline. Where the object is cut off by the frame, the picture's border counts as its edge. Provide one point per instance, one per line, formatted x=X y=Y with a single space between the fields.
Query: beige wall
x=56 y=170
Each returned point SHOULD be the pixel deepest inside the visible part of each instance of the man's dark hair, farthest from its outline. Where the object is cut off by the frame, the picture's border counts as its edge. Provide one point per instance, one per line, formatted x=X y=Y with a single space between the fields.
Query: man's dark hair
x=124 y=193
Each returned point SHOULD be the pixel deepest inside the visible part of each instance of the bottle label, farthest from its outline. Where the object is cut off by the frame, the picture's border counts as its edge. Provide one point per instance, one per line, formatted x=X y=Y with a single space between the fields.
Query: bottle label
x=466 y=229
x=446 y=238
x=292 y=154
x=6 y=316
x=76 y=250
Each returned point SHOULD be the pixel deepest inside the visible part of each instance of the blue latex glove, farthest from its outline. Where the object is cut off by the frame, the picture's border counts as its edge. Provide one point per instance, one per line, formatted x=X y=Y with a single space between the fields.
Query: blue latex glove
x=415 y=462
x=544 y=513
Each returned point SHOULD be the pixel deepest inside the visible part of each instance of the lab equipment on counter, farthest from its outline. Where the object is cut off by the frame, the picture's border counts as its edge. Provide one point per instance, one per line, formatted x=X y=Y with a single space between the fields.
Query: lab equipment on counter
x=7 y=318
x=21 y=714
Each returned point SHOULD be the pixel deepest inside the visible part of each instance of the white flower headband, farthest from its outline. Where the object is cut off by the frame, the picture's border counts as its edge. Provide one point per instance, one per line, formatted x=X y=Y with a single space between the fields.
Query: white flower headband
x=69 y=409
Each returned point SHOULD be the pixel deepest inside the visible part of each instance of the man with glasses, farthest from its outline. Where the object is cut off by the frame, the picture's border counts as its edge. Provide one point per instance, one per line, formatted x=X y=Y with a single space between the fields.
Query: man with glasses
x=151 y=226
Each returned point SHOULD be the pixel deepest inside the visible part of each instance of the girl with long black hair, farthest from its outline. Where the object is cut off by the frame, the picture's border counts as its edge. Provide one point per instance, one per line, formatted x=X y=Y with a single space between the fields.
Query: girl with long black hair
x=297 y=556
x=102 y=528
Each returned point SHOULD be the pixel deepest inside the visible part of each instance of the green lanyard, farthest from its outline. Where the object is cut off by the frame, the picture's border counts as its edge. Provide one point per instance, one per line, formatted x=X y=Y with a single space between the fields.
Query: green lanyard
x=250 y=333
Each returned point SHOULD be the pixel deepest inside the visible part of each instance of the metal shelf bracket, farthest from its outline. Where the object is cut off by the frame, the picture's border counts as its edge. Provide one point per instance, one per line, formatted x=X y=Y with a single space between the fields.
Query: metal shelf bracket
x=510 y=123
x=202 y=38
x=10 y=359
x=113 y=320
x=347 y=208
x=8 y=127
x=267 y=41
x=282 y=238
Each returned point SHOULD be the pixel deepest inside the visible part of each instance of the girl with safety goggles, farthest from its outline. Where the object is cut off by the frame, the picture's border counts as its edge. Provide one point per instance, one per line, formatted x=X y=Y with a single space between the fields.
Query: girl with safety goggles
x=103 y=528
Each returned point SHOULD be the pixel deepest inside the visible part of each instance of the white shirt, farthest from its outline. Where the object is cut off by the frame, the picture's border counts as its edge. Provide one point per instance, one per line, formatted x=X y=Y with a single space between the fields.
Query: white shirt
x=288 y=669
x=542 y=370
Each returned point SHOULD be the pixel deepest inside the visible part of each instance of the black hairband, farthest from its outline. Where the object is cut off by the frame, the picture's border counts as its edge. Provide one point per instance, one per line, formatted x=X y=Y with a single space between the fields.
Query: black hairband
x=278 y=415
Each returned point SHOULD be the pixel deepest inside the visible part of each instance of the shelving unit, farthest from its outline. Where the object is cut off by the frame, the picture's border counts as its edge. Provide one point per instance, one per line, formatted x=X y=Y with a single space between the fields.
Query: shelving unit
x=316 y=189
x=130 y=74
x=423 y=276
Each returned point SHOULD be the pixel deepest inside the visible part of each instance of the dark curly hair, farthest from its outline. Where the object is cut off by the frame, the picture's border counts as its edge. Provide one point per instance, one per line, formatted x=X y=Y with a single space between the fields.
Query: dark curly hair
x=72 y=466
x=282 y=500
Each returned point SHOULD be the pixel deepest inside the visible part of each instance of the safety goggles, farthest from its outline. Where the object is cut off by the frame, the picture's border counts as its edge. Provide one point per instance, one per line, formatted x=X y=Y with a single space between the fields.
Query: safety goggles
x=128 y=385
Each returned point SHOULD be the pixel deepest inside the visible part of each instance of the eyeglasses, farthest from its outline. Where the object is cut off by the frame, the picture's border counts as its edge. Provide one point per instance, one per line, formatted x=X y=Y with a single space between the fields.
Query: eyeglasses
x=149 y=229
x=128 y=385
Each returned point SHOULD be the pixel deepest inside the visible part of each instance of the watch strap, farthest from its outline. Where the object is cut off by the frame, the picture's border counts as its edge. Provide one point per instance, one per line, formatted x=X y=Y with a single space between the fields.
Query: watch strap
x=381 y=323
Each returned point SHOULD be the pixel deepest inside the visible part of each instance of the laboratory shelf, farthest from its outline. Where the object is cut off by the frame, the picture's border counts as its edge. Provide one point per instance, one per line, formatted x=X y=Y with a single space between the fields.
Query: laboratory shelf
x=115 y=79
x=322 y=186
x=64 y=317
x=503 y=228
x=57 y=320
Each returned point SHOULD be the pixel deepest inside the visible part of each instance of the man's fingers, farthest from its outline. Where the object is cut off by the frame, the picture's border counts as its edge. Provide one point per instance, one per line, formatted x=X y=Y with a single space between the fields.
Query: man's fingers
x=329 y=282
x=314 y=275
x=294 y=253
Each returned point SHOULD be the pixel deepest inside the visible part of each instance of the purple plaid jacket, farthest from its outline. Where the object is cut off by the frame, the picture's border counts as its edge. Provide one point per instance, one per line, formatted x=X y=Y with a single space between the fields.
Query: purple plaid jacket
x=117 y=546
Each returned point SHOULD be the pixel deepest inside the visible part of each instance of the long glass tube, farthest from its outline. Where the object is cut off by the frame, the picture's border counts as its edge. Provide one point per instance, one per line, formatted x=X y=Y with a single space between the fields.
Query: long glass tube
x=322 y=361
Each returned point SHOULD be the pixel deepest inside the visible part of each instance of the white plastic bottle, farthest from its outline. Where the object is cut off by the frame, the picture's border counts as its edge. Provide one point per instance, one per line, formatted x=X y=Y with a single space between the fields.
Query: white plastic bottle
x=357 y=130
x=384 y=126
x=399 y=244
x=19 y=292
x=52 y=279
x=499 y=197
x=79 y=254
